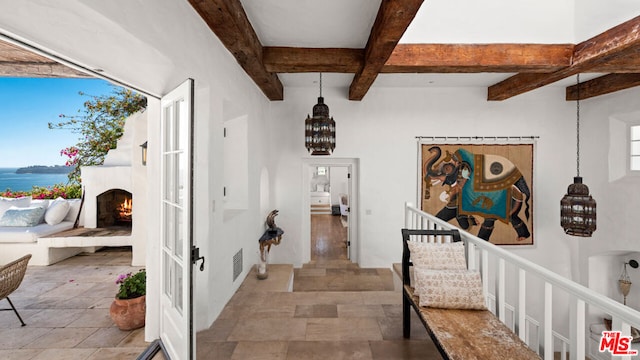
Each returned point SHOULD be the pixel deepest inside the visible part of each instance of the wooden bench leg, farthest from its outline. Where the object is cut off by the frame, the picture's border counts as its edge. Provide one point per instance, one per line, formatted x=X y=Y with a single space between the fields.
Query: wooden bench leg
x=406 y=316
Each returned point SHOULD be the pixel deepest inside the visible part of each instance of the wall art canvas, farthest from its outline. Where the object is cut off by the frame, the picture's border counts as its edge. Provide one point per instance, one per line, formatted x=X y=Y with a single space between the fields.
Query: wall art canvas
x=485 y=189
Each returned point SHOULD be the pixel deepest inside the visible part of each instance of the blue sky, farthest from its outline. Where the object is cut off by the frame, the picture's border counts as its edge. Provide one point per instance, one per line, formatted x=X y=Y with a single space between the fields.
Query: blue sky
x=27 y=105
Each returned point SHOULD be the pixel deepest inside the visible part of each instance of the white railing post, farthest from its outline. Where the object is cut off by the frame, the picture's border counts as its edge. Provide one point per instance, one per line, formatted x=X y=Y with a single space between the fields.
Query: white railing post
x=577 y=329
x=547 y=329
x=407 y=215
x=522 y=304
x=471 y=256
x=501 y=293
x=485 y=274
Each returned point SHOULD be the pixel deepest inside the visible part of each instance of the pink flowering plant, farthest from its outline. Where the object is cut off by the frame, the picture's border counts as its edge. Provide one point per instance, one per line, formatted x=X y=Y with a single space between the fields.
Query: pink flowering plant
x=132 y=285
x=69 y=191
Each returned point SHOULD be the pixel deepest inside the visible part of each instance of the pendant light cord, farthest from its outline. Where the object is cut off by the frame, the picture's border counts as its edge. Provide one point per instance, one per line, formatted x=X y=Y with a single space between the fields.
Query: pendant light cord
x=578 y=125
x=320 y=84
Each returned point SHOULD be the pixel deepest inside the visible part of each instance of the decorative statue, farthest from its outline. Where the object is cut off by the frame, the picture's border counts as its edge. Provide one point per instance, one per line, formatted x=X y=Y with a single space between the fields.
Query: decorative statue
x=271 y=236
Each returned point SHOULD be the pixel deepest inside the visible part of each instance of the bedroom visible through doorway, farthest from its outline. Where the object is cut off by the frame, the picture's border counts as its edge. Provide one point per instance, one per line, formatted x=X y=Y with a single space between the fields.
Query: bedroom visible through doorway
x=329 y=212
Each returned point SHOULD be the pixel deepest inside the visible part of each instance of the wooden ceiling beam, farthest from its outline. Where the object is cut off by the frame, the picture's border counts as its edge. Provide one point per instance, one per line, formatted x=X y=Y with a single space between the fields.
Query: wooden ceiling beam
x=394 y=16
x=300 y=60
x=18 y=62
x=611 y=45
x=602 y=85
x=39 y=70
x=474 y=58
x=227 y=19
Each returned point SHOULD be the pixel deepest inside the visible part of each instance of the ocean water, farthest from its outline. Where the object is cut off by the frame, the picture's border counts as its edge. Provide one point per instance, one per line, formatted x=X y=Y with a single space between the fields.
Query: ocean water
x=24 y=182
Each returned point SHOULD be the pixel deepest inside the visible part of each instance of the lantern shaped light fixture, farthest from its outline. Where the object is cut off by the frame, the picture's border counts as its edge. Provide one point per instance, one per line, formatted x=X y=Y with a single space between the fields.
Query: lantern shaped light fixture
x=577 y=207
x=320 y=129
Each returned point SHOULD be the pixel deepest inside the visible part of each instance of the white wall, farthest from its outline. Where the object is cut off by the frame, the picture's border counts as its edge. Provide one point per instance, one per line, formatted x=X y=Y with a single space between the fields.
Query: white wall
x=618 y=200
x=339 y=183
x=156 y=45
x=381 y=130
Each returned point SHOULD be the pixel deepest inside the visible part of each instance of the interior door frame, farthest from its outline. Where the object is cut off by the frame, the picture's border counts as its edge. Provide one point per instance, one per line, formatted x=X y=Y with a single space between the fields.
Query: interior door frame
x=353 y=165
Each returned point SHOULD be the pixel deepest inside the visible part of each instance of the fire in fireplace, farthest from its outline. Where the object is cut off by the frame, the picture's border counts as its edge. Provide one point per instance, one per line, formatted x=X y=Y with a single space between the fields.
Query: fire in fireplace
x=114 y=208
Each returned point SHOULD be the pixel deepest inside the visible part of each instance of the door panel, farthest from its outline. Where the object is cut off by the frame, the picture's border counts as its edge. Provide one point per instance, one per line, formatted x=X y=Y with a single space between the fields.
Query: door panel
x=176 y=129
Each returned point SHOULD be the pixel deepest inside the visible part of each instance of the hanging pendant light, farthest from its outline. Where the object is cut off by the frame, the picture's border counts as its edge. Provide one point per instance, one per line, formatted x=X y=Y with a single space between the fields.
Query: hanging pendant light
x=320 y=130
x=577 y=207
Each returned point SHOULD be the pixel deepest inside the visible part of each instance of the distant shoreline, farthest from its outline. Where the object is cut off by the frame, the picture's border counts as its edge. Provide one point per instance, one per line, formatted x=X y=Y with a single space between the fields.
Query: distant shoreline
x=41 y=169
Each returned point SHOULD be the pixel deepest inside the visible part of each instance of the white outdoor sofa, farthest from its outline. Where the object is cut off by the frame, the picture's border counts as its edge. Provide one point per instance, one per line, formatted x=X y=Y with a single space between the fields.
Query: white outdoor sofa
x=16 y=241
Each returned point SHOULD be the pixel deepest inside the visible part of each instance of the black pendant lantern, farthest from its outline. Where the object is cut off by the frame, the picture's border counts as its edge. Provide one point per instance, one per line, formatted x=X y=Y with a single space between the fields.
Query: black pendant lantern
x=320 y=130
x=577 y=207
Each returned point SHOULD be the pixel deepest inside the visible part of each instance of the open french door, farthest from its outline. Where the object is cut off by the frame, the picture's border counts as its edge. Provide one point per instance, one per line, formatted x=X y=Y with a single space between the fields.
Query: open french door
x=176 y=329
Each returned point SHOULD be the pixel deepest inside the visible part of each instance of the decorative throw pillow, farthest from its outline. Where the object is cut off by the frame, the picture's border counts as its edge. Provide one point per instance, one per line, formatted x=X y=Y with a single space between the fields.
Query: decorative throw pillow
x=450 y=289
x=438 y=256
x=30 y=216
x=74 y=209
x=6 y=203
x=56 y=211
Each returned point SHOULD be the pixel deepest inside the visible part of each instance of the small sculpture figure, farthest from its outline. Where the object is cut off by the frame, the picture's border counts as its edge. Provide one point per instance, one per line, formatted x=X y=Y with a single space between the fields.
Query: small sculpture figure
x=271 y=236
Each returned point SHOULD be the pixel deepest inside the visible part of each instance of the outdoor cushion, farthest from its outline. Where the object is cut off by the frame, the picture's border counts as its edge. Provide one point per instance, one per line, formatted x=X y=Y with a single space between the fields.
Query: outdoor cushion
x=30 y=216
x=6 y=203
x=56 y=211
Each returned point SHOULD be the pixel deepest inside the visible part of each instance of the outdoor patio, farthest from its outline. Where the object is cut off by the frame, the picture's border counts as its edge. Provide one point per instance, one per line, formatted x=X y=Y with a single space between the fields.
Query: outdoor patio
x=66 y=309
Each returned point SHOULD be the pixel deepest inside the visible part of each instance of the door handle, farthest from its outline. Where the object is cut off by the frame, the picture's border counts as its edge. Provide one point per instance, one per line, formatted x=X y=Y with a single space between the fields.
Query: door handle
x=195 y=257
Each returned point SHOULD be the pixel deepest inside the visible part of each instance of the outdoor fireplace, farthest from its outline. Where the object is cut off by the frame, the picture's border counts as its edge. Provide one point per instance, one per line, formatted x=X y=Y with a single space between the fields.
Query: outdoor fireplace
x=114 y=208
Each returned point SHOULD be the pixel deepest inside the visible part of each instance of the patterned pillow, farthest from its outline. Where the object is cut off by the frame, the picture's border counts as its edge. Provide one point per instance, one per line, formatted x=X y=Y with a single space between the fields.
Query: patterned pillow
x=6 y=203
x=30 y=216
x=450 y=289
x=438 y=256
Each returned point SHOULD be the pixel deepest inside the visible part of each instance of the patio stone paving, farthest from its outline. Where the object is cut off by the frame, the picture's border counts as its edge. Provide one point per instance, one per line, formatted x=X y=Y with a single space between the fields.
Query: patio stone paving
x=66 y=309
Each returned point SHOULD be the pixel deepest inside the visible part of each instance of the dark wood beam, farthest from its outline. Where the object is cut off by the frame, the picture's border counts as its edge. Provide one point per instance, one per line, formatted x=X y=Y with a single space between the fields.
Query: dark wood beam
x=474 y=58
x=298 y=60
x=227 y=19
x=394 y=16
x=611 y=45
x=602 y=85
x=39 y=70
x=18 y=62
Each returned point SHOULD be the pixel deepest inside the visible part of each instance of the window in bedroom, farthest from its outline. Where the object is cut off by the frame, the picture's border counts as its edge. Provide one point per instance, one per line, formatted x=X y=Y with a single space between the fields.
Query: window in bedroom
x=634 y=146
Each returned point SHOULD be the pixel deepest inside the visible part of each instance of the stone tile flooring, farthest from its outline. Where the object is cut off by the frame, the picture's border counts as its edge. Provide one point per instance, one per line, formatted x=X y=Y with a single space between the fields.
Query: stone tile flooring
x=333 y=313
x=66 y=309
x=337 y=311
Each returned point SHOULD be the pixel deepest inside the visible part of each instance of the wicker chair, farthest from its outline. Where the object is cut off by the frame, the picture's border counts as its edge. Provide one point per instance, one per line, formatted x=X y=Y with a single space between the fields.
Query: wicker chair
x=11 y=276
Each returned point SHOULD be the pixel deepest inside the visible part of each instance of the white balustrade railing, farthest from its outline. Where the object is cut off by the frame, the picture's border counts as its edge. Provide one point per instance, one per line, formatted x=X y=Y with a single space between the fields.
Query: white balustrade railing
x=483 y=256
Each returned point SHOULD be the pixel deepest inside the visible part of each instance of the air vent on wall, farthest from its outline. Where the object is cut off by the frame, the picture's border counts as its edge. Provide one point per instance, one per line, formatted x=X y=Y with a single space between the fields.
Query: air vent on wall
x=237 y=264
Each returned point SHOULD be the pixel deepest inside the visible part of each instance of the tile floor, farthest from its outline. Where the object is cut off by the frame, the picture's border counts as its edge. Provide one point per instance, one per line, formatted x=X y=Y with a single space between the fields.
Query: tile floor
x=264 y=321
x=66 y=309
x=337 y=311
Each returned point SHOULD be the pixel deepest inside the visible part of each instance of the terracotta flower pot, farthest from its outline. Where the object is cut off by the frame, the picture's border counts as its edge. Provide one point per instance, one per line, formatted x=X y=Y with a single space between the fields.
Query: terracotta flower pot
x=128 y=314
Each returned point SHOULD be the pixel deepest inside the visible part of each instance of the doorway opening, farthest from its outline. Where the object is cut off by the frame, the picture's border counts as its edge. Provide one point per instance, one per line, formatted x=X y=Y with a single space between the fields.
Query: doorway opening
x=329 y=205
x=329 y=188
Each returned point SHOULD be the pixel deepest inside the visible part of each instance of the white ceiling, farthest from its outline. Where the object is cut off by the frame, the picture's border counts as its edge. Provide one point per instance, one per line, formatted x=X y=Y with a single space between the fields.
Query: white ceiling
x=347 y=24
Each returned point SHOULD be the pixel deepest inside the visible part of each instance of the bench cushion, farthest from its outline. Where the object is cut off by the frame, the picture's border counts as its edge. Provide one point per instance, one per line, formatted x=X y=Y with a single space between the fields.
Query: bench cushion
x=30 y=234
x=18 y=217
